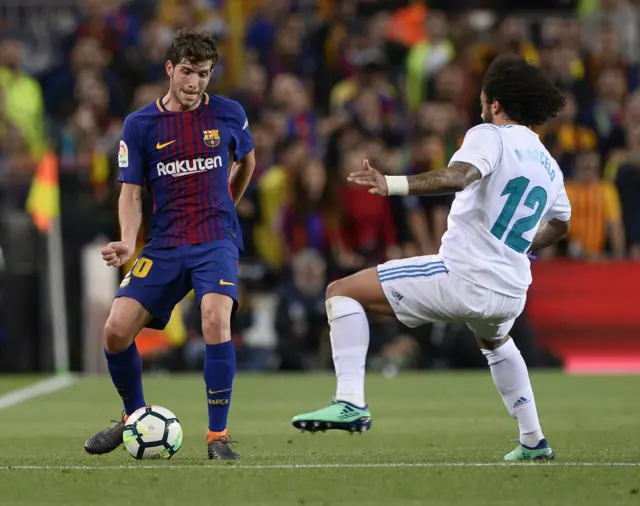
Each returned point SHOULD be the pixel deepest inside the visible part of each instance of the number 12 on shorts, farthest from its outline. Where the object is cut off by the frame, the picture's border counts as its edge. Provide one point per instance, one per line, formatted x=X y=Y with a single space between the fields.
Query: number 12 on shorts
x=536 y=199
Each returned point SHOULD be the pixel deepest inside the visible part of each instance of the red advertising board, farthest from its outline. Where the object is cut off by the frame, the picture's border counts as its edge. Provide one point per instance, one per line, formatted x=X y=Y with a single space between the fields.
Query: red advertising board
x=588 y=313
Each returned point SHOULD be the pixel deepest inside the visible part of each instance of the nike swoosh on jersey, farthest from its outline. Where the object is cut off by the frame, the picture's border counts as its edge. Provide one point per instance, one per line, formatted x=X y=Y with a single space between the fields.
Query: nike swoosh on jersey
x=213 y=392
x=226 y=283
x=161 y=146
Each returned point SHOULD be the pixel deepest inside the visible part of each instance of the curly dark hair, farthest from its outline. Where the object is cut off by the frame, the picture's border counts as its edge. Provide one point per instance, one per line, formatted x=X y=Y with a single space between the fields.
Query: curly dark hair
x=526 y=94
x=194 y=46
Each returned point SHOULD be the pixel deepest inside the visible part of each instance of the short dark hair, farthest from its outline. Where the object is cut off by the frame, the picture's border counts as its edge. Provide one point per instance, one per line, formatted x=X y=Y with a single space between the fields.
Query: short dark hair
x=193 y=46
x=525 y=93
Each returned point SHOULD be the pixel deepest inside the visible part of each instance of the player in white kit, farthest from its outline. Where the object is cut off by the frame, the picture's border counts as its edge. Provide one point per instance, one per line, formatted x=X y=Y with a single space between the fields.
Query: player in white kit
x=510 y=200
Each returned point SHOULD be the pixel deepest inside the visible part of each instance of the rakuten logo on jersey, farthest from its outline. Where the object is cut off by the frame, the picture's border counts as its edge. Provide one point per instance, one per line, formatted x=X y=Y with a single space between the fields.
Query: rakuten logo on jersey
x=180 y=168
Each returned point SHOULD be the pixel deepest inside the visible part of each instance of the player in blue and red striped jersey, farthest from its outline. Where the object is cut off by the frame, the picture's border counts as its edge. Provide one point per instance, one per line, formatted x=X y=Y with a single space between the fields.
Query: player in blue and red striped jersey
x=194 y=153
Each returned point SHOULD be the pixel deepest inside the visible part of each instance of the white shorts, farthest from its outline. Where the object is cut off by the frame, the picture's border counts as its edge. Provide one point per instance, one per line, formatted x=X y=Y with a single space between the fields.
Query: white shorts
x=422 y=290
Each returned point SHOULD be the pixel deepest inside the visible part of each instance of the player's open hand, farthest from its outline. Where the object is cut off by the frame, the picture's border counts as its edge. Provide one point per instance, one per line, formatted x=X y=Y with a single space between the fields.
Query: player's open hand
x=370 y=177
x=116 y=254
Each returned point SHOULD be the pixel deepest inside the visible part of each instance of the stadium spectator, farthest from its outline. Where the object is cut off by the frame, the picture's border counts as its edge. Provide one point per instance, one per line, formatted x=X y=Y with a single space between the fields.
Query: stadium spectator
x=22 y=103
x=109 y=22
x=252 y=92
x=427 y=58
x=261 y=30
x=607 y=54
x=287 y=54
x=510 y=35
x=328 y=46
x=568 y=136
x=372 y=118
x=624 y=19
x=606 y=112
x=596 y=214
x=87 y=57
x=301 y=315
x=145 y=94
x=370 y=72
x=567 y=67
x=367 y=232
x=300 y=119
x=176 y=14
x=628 y=184
x=264 y=141
x=427 y=216
x=325 y=84
x=274 y=191
x=447 y=123
x=250 y=207
x=144 y=63
x=308 y=221
x=616 y=144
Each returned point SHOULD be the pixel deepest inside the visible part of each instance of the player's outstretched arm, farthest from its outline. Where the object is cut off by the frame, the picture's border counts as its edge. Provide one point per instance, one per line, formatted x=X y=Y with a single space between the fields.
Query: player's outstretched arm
x=550 y=233
x=240 y=177
x=456 y=177
x=453 y=179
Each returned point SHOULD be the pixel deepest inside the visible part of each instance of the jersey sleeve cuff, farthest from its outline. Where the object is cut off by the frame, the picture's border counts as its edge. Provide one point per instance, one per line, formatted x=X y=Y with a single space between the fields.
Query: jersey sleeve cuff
x=130 y=181
x=237 y=156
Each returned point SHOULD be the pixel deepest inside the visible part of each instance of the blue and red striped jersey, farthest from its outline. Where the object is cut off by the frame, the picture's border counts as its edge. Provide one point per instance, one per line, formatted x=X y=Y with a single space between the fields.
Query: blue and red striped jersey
x=183 y=158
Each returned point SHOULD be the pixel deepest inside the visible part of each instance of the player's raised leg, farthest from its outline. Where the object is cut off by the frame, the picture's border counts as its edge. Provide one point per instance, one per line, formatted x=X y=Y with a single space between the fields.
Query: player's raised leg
x=126 y=319
x=346 y=302
x=219 y=371
x=511 y=377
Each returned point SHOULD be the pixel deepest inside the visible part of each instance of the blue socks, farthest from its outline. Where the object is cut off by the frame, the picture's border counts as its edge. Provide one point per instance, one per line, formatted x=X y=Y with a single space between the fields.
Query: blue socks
x=126 y=373
x=219 y=370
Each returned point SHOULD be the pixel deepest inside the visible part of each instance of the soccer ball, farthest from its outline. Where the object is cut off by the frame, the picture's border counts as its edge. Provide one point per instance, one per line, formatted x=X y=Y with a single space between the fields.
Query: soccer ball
x=152 y=432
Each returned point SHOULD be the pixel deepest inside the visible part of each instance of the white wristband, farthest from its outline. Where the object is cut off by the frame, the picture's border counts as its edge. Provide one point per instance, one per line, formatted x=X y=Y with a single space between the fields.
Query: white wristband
x=397 y=185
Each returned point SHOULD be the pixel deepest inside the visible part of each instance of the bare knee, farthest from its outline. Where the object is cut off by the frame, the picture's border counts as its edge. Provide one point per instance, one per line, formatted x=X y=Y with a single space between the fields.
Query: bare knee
x=216 y=318
x=216 y=327
x=125 y=321
x=117 y=335
x=337 y=289
x=363 y=287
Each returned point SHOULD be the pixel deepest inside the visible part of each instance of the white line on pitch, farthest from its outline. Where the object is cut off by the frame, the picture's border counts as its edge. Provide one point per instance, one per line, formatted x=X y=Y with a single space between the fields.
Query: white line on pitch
x=322 y=466
x=44 y=387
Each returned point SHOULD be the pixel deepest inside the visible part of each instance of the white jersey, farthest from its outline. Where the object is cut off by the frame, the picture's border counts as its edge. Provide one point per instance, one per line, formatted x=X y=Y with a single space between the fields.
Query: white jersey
x=493 y=221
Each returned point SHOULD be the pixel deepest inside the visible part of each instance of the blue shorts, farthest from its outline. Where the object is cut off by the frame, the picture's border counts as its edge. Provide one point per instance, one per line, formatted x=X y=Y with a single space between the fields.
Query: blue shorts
x=160 y=278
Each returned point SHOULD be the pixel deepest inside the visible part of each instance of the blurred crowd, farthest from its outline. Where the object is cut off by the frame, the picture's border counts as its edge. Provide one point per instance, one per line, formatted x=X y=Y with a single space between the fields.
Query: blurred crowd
x=325 y=84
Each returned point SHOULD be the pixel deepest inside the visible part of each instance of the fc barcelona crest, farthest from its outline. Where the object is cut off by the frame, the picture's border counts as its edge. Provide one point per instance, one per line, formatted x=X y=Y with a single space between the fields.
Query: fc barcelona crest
x=211 y=138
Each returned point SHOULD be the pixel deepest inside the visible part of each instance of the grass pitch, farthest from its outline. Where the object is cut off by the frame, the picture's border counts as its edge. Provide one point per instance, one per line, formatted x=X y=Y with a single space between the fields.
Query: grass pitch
x=437 y=439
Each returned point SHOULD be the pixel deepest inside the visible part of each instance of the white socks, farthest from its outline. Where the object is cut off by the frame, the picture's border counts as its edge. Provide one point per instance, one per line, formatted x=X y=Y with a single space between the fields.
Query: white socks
x=510 y=375
x=349 y=342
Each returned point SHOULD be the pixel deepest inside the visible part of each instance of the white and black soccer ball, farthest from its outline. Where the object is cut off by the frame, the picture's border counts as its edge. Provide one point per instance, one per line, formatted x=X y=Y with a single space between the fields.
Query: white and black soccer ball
x=152 y=432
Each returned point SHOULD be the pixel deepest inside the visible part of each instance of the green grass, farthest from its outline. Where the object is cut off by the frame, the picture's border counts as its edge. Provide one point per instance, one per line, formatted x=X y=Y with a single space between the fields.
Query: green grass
x=9 y=383
x=432 y=419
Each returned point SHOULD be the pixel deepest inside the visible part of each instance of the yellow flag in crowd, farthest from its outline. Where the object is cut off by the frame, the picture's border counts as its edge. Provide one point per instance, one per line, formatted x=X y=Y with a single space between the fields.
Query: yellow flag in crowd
x=43 y=201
